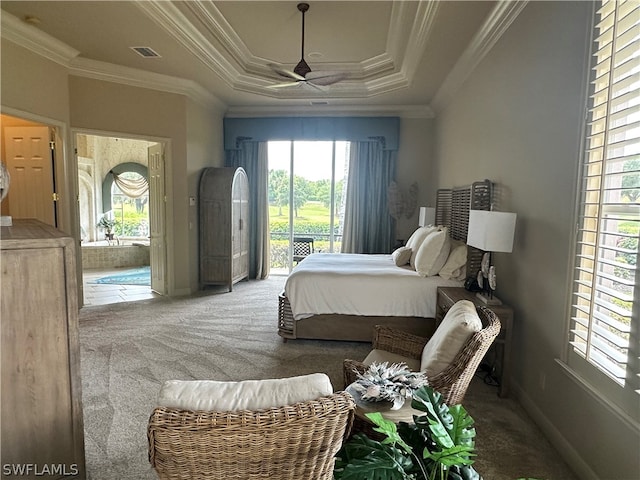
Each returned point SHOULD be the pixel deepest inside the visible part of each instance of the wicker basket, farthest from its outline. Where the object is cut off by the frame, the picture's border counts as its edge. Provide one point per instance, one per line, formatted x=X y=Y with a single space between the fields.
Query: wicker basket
x=286 y=323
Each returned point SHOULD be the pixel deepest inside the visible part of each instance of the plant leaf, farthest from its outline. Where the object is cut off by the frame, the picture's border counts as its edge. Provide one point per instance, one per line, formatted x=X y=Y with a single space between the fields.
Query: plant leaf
x=388 y=428
x=362 y=458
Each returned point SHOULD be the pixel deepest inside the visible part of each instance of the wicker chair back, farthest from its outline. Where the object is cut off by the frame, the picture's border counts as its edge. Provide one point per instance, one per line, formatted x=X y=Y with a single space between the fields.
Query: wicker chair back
x=294 y=442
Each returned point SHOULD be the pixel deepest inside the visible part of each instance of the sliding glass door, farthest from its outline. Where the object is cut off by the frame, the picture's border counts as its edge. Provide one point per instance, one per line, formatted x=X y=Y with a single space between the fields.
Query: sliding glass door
x=307 y=187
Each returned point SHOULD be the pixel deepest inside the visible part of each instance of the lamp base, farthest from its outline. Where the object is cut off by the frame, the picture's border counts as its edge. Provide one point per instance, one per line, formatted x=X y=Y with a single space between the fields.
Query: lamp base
x=484 y=298
x=6 y=221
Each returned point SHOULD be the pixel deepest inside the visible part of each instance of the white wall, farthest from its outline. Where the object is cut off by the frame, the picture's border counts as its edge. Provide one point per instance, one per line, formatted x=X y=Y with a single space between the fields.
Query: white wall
x=518 y=121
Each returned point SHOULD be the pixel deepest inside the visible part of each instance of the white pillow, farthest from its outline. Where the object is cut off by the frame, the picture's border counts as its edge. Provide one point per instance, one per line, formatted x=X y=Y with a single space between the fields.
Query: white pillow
x=460 y=322
x=457 y=260
x=401 y=256
x=245 y=395
x=433 y=253
x=419 y=235
x=416 y=239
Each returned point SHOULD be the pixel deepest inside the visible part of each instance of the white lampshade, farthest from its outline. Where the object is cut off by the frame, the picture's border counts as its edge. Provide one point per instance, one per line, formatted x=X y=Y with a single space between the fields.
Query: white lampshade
x=427 y=216
x=491 y=231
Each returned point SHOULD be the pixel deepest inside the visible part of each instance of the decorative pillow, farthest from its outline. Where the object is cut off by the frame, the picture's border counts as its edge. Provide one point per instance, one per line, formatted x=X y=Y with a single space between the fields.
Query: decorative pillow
x=401 y=256
x=460 y=322
x=433 y=253
x=416 y=239
x=456 y=261
x=246 y=395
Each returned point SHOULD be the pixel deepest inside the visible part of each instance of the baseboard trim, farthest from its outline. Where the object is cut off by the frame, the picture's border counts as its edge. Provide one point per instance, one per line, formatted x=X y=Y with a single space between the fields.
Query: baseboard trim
x=564 y=448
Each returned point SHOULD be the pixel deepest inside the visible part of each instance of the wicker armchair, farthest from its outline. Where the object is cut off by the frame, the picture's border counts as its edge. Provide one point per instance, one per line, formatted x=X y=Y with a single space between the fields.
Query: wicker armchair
x=452 y=383
x=293 y=442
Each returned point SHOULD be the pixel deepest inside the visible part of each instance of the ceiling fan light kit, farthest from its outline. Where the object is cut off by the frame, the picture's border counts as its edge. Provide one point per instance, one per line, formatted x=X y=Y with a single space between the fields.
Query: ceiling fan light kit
x=302 y=73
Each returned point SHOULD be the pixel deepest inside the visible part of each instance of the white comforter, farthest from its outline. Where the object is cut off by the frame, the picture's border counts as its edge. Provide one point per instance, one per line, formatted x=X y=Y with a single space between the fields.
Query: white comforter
x=359 y=284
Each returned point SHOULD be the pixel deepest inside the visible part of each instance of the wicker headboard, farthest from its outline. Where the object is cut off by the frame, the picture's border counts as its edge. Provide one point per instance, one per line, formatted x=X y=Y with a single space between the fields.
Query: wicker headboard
x=452 y=211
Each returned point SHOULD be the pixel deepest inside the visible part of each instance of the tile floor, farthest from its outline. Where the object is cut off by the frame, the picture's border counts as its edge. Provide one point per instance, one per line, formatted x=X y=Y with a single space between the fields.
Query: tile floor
x=100 y=294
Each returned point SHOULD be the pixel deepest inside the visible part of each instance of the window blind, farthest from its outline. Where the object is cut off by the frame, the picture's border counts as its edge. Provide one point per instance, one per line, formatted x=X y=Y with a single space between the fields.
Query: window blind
x=604 y=321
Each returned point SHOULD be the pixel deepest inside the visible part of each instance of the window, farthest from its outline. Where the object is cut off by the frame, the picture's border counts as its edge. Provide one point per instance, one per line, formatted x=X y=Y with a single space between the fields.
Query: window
x=307 y=185
x=129 y=197
x=604 y=341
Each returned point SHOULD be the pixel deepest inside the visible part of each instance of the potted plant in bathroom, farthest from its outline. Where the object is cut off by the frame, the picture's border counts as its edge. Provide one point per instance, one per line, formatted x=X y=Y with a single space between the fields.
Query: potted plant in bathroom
x=107 y=225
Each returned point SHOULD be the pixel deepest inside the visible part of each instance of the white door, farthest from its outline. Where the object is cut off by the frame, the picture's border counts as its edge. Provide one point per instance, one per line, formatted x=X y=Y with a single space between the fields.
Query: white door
x=29 y=160
x=156 y=219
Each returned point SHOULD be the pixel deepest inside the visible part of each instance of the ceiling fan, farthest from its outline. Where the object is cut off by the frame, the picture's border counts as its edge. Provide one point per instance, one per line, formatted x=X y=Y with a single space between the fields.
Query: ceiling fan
x=302 y=73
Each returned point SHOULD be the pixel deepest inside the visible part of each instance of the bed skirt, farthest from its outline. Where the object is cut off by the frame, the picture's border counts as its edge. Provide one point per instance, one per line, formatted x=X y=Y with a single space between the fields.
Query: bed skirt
x=354 y=328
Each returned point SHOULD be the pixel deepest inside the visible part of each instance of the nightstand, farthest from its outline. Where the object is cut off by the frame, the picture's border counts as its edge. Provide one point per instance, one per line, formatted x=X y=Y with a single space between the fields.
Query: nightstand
x=447 y=296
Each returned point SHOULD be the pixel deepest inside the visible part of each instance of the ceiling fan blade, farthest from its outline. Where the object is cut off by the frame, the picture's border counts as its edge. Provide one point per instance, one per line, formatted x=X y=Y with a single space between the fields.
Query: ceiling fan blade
x=322 y=88
x=287 y=84
x=325 y=78
x=285 y=73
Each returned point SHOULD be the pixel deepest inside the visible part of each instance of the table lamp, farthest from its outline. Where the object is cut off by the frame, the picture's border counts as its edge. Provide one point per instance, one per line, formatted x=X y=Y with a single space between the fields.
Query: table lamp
x=427 y=216
x=490 y=231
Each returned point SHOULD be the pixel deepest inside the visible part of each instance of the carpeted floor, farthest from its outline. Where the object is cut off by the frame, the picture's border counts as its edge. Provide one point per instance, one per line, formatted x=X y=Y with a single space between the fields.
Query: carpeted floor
x=129 y=349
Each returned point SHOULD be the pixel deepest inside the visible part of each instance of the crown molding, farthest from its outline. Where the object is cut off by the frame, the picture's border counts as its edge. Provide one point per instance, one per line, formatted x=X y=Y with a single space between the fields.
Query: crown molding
x=310 y=110
x=420 y=31
x=35 y=40
x=498 y=21
x=83 y=67
x=173 y=21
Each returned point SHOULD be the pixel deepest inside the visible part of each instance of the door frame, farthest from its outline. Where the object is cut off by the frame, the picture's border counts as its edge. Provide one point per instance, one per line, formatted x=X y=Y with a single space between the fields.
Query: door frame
x=168 y=191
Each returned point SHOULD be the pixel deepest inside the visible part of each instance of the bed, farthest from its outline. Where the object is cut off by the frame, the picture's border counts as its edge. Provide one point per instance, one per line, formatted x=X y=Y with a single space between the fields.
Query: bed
x=343 y=296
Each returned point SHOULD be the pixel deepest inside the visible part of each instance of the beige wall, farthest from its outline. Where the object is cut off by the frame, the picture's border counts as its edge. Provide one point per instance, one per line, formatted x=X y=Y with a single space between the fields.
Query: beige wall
x=518 y=121
x=414 y=164
x=101 y=106
x=37 y=89
x=41 y=90
x=194 y=132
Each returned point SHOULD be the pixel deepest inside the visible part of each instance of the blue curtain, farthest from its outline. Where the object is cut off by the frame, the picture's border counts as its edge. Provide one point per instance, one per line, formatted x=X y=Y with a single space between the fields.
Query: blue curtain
x=368 y=227
x=252 y=156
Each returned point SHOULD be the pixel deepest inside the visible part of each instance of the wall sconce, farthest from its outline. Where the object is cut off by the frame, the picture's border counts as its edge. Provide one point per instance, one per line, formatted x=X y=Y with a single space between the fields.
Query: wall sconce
x=491 y=232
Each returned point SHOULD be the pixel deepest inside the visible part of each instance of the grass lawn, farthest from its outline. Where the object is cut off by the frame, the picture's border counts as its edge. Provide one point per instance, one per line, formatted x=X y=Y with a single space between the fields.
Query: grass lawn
x=310 y=212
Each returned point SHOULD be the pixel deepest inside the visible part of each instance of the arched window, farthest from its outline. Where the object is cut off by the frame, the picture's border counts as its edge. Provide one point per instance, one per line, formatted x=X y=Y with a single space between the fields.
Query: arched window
x=125 y=194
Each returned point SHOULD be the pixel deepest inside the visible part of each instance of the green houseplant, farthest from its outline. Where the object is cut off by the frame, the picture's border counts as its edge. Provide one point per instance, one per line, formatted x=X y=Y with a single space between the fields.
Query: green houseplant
x=438 y=446
x=107 y=225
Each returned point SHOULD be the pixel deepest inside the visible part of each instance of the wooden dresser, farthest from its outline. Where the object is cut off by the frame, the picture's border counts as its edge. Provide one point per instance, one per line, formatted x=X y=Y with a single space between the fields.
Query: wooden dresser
x=41 y=386
x=224 y=226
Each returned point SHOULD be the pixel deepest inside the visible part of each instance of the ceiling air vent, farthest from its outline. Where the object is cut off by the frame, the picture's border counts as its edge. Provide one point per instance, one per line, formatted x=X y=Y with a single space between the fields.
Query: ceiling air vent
x=146 y=52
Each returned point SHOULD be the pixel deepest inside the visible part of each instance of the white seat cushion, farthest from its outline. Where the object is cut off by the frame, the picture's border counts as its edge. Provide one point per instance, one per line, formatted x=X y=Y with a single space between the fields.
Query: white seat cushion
x=246 y=395
x=380 y=356
x=460 y=322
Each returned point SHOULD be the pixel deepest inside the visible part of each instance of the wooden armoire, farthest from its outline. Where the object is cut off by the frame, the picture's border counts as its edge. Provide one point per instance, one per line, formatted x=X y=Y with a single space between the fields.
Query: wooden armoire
x=224 y=226
x=41 y=385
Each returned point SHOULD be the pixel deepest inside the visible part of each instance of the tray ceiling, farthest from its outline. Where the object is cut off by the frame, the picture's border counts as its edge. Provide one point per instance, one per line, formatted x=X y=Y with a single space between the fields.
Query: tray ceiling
x=395 y=55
